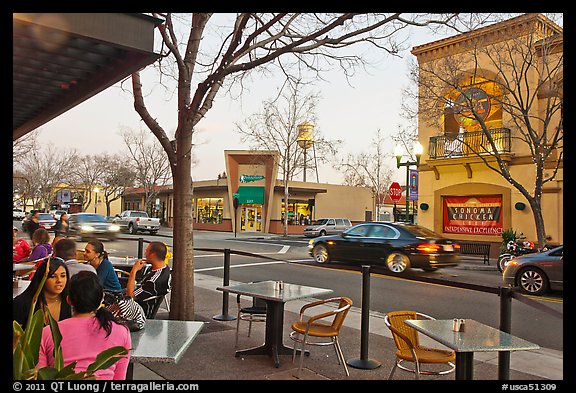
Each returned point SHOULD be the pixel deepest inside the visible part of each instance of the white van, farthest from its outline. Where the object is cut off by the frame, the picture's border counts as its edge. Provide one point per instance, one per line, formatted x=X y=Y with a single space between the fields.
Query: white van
x=327 y=226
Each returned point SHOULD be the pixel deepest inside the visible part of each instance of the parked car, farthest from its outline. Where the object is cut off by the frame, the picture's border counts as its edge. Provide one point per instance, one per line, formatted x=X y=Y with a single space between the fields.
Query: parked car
x=18 y=214
x=398 y=246
x=57 y=213
x=45 y=220
x=91 y=225
x=135 y=221
x=536 y=274
x=327 y=226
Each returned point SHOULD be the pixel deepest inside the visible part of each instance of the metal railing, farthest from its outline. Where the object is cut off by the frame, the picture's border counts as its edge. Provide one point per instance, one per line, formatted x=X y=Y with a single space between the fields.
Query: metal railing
x=470 y=144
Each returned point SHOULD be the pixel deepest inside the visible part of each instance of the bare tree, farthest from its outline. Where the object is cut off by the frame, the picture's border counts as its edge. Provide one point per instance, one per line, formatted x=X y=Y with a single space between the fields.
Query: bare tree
x=45 y=172
x=251 y=43
x=25 y=145
x=116 y=177
x=276 y=129
x=523 y=78
x=370 y=169
x=88 y=175
x=149 y=163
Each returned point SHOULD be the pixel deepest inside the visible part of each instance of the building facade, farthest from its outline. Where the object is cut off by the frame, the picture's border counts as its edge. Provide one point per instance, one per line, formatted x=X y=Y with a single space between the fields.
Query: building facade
x=460 y=195
x=251 y=179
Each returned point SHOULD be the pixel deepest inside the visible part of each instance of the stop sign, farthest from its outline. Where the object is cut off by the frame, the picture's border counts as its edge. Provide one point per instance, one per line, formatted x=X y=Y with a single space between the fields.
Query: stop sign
x=395 y=192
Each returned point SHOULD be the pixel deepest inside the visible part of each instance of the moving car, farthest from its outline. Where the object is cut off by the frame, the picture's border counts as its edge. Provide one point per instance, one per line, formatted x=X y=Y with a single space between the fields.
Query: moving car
x=398 y=246
x=536 y=274
x=327 y=226
x=45 y=220
x=91 y=225
x=18 y=214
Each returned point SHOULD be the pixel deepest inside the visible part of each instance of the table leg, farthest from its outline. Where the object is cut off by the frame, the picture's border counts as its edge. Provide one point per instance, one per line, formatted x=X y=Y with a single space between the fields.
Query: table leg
x=273 y=345
x=464 y=365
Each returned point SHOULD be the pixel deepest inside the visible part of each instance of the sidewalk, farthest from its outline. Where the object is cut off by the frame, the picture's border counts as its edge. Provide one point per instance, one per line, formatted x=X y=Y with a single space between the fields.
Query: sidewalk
x=211 y=355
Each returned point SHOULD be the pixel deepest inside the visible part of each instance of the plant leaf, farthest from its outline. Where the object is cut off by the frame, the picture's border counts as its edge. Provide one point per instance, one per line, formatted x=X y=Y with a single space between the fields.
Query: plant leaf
x=31 y=344
x=107 y=358
x=47 y=373
x=57 y=339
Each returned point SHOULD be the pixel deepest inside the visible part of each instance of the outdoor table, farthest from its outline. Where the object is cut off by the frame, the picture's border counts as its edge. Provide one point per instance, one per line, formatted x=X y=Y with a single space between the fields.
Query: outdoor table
x=122 y=261
x=275 y=300
x=22 y=266
x=162 y=341
x=476 y=337
x=18 y=290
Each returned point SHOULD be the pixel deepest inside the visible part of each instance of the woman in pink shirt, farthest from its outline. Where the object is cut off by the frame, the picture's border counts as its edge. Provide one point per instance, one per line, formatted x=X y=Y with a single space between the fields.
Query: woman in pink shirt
x=91 y=330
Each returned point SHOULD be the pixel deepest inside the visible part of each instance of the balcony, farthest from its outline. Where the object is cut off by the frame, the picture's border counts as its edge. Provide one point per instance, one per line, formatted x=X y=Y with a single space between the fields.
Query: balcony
x=469 y=144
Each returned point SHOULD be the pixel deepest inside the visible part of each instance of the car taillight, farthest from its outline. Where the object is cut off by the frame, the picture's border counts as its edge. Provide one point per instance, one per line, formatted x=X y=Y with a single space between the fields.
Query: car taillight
x=137 y=219
x=428 y=247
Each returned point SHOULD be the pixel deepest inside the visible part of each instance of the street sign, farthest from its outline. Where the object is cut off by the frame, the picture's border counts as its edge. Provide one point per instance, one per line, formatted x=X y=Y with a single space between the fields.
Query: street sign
x=395 y=192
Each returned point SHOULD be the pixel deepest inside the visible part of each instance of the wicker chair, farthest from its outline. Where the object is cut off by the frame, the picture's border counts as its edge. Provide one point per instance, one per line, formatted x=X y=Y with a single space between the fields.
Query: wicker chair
x=313 y=328
x=409 y=348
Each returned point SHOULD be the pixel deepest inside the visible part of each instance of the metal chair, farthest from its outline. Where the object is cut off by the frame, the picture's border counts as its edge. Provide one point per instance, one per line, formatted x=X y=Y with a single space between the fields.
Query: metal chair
x=408 y=346
x=314 y=328
x=255 y=313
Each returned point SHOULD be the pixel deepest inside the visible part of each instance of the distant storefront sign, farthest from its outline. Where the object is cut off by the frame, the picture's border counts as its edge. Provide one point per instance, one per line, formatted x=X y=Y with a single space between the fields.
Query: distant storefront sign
x=473 y=215
x=63 y=196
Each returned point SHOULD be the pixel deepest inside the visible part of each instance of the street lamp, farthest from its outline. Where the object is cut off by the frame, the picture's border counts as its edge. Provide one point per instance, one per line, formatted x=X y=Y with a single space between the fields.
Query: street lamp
x=418 y=153
x=305 y=140
x=96 y=191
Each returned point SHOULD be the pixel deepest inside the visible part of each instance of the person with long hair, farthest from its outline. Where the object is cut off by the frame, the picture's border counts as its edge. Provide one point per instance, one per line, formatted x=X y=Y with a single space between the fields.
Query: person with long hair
x=42 y=247
x=95 y=255
x=53 y=295
x=91 y=330
x=62 y=227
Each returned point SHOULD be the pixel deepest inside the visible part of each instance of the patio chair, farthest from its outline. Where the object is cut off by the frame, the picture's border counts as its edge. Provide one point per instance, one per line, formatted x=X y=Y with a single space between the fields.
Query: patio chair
x=313 y=327
x=408 y=348
x=254 y=313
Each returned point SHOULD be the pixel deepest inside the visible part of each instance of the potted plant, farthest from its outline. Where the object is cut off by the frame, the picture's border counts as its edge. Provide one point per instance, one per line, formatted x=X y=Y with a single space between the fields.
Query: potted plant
x=26 y=348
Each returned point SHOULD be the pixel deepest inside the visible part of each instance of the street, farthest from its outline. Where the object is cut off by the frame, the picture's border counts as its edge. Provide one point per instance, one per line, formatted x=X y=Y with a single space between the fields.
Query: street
x=387 y=293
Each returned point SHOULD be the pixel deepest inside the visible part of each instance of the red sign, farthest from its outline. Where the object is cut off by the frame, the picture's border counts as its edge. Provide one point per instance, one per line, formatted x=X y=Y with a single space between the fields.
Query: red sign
x=395 y=192
x=473 y=215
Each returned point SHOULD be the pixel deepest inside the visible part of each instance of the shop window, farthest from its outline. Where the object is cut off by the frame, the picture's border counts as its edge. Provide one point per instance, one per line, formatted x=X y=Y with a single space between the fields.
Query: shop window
x=209 y=210
x=298 y=212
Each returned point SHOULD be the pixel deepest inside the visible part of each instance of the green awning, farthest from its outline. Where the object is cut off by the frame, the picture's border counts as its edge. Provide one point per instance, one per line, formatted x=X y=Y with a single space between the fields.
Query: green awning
x=251 y=194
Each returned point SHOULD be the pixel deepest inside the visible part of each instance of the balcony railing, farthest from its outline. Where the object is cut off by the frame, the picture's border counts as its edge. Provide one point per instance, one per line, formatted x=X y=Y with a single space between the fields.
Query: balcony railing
x=469 y=144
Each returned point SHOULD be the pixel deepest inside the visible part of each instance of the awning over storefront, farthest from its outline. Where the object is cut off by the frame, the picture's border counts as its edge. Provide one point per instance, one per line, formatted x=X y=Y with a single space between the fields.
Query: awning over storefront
x=251 y=194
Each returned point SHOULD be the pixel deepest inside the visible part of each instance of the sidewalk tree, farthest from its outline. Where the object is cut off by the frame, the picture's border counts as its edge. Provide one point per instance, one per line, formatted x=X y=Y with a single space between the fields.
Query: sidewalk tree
x=248 y=45
x=523 y=79
x=88 y=174
x=276 y=129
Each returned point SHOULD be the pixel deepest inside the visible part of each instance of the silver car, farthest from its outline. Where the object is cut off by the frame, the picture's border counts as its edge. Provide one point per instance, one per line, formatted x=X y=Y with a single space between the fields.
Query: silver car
x=327 y=226
x=536 y=274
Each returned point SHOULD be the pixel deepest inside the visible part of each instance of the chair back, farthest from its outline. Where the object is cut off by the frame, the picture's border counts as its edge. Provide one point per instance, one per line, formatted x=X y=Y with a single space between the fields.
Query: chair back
x=345 y=305
x=155 y=302
x=396 y=319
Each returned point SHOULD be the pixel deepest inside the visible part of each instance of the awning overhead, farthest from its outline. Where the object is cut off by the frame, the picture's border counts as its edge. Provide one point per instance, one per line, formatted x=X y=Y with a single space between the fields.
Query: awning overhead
x=251 y=195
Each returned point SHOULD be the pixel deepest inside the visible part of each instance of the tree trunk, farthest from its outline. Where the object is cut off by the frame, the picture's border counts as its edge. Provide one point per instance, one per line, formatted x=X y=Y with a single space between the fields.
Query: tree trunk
x=538 y=221
x=182 y=302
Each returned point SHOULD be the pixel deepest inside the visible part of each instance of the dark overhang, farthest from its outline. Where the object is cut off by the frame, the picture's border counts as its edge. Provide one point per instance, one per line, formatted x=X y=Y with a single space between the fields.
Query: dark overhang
x=61 y=59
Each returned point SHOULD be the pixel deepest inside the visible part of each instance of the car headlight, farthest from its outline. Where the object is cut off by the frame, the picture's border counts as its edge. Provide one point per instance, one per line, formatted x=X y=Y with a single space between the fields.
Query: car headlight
x=114 y=228
x=87 y=228
x=310 y=243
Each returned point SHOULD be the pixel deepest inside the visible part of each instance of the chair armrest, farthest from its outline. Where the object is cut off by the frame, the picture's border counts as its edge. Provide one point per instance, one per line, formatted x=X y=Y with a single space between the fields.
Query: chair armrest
x=327 y=314
x=316 y=303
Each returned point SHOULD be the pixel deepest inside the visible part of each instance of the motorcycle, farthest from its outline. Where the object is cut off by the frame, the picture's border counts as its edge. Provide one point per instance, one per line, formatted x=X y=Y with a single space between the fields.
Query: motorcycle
x=515 y=248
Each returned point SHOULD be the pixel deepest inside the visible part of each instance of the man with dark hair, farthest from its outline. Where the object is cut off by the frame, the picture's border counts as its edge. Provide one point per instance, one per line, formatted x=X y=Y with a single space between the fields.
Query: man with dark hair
x=66 y=249
x=155 y=283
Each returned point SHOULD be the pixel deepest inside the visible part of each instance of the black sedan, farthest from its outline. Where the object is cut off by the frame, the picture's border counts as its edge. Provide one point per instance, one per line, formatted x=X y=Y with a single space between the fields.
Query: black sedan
x=398 y=246
x=536 y=274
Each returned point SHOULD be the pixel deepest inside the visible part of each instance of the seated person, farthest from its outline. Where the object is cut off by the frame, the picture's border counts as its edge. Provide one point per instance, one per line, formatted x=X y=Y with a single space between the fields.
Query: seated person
x=42 y=247
x=94 y=253
x=66 y=249
x=155 y=283
x=91 y=330
x=20 y=247
x=52 y=297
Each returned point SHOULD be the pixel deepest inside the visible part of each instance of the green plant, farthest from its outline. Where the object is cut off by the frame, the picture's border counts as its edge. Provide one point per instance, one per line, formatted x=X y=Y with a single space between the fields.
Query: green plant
x=26 y=348
x=507 y=235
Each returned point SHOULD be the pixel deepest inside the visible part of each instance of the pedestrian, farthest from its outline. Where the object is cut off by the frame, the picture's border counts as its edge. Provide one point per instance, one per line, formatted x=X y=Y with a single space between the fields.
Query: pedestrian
x=52 y=297
x=95 y=255
x=91 y=330
x=66 y=250
x=20 y=247
x=34 y=223
x=61 y=227
x=155 y=283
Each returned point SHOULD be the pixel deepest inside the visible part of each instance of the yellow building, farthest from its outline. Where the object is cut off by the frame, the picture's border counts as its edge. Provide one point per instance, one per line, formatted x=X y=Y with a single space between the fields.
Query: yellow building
x=469 y=80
